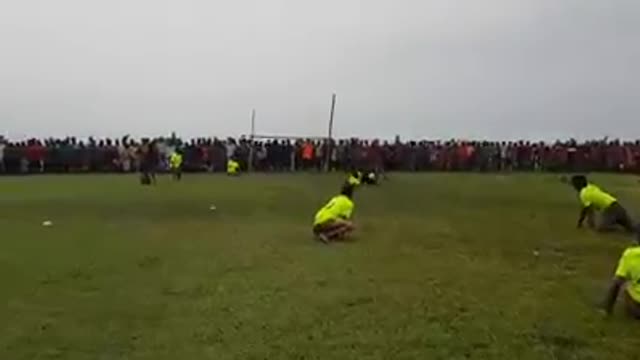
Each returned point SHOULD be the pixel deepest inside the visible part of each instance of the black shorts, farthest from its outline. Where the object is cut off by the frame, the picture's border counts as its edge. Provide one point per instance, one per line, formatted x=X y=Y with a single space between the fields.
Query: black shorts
x=615 y=214
x=632 y=306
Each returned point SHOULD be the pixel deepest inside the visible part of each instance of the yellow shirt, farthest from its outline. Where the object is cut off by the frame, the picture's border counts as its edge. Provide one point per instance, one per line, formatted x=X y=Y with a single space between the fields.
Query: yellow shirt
x=591 y=195
x=355 y=180
x=339 y=207
x=232 y=167
x=629 y=269
x=175 y=161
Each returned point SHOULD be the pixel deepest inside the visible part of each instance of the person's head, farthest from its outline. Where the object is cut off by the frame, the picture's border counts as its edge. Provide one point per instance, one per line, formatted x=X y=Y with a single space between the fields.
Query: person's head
x=347 y=190
x=579 y=182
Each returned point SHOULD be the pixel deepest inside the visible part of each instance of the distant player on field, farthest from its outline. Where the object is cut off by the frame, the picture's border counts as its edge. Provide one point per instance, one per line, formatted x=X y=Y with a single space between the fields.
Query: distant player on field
x=233 y=167
x=371 y=178
x=357 y=178
x=333 y=221
x=149 y=158
x=628 y=272
x=595 y=199
x=175 y=164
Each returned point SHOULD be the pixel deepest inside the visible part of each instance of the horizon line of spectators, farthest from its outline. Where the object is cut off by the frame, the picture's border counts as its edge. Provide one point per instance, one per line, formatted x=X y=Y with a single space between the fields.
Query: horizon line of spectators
x=70 y=155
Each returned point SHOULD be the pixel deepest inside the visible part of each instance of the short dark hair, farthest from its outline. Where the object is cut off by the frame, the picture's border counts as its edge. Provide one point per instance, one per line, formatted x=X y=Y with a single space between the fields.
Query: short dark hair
x=579 y=181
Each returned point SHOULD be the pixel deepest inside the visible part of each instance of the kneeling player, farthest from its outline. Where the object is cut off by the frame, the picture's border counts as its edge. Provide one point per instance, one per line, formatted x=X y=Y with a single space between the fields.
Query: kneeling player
x=332 y=222
x=594 y=199
x=628 y=272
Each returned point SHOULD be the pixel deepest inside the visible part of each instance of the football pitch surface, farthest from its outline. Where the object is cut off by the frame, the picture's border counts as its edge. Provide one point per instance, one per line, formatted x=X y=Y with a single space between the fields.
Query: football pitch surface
x=442 y=266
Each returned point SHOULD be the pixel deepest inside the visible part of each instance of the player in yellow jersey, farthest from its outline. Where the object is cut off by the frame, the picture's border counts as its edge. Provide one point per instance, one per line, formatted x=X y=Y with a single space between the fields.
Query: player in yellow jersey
x=333 y=221
x=233 y=167
x=628 y=276
x=175 y=165
x=355 y=178
x=594 y=199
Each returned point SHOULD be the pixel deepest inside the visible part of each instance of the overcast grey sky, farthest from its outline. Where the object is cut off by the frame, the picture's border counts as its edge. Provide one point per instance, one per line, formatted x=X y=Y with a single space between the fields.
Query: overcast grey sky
x=418 y=68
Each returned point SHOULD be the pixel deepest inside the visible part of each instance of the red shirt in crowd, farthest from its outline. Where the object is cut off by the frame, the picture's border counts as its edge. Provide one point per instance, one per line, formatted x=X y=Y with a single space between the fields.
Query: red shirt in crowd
x=35 y=152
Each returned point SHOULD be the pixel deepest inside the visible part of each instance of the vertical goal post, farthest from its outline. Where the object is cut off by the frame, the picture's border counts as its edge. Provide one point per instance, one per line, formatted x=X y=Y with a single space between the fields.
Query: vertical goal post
x=328 y=139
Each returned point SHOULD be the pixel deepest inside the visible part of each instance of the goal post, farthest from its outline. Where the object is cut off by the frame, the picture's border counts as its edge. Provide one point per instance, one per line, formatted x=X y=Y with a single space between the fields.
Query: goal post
x=326 y=139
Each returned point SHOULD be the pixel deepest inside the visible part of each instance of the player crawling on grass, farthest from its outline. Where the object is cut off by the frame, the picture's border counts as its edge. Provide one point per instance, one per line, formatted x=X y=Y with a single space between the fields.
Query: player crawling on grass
x=594 y=199
x=357 y=178
x=333 y=221
x=354 y=178
x=627 y=273
x=370 y=178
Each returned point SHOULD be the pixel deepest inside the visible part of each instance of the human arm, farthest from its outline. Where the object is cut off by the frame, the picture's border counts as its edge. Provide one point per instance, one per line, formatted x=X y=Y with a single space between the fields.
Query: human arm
x=586 y=213
x=621 y=275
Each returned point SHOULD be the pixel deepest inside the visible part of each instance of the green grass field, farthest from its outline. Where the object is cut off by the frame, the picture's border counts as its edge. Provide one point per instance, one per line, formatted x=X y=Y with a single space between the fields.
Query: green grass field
x=442 y=267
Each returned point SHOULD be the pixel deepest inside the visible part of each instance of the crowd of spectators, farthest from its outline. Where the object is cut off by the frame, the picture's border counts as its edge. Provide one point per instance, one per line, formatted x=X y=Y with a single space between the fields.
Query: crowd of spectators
x=71 y=155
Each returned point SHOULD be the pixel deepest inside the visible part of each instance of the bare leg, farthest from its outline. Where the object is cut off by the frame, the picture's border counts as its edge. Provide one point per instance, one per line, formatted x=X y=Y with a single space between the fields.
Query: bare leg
x=341 y=231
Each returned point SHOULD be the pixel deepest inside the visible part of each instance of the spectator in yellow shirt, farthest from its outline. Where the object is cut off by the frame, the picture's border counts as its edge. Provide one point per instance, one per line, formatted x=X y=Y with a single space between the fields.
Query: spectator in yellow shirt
x=594 y=199
x=333 y=221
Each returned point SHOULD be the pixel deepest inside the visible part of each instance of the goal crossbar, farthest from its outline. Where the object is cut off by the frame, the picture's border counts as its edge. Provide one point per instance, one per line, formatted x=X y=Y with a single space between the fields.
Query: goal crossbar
x=285 y=137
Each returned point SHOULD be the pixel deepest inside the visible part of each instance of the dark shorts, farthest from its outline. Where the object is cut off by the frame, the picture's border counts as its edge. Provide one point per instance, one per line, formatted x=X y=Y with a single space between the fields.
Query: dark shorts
x=614 y=215
x=632 y=306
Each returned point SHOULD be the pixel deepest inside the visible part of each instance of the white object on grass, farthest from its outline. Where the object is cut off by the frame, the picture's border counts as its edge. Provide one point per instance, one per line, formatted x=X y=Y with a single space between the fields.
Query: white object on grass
x=47 y=223
x=213 y=208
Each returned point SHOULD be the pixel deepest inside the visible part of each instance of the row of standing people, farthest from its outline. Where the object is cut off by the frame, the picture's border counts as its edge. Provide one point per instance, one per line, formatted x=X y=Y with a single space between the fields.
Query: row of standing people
x=125 y=155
